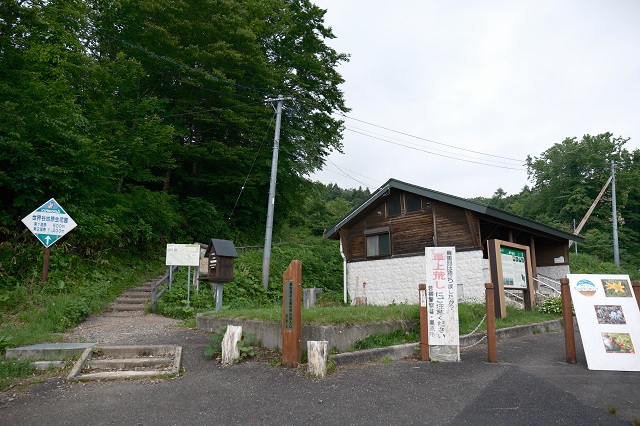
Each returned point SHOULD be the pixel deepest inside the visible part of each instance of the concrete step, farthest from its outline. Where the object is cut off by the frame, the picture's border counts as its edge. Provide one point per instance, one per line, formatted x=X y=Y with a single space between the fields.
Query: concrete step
x=127 y=362
x=134 y=300
x=128 y=306
x=142 y=289
x=48 y=351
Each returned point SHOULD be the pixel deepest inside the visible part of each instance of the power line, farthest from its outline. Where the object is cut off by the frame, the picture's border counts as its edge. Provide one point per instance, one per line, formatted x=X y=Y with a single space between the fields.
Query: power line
x=428 y=140
x=434 y=153
x=250 y=170
x=368 y=133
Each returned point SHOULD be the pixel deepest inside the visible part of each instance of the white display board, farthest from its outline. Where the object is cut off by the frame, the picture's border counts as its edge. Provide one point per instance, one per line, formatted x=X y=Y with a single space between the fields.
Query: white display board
x=183 y=255
x=49 y=222
x=609 y=321
x=442 y=304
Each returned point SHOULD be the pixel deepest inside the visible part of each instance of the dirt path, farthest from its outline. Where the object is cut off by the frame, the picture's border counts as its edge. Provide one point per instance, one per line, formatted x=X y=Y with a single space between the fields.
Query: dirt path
x=112 y=329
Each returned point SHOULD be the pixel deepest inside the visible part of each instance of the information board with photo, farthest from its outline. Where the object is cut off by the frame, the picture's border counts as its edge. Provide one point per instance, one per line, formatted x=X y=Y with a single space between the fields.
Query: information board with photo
x=609 y=320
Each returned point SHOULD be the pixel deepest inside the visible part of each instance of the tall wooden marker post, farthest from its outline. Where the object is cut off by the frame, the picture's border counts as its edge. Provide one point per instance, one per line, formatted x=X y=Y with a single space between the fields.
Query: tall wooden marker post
x=292 y=315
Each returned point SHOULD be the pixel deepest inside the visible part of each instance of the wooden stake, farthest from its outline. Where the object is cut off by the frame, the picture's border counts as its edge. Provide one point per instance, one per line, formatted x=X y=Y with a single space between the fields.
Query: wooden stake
x=567 y=319
x=424 y=326
x=492 y=355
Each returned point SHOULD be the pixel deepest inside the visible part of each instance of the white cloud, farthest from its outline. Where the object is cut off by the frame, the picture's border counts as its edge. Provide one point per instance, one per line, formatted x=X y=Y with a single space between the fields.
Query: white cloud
x=505 y=78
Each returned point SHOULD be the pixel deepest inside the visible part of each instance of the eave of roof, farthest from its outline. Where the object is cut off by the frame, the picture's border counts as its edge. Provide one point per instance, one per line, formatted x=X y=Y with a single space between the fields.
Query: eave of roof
x=453 y=200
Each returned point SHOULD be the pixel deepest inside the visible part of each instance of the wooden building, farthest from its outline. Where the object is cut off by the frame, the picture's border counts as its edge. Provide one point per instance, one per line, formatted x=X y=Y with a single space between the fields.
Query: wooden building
x=383 y=242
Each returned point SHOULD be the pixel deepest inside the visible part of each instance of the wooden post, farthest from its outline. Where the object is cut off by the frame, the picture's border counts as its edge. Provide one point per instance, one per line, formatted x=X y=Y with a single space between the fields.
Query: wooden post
x=567 y=319
x=636 y=291
x=45 y=264
x=492 y=355
x=317 y=356
x=292 y=315
x=424 y=326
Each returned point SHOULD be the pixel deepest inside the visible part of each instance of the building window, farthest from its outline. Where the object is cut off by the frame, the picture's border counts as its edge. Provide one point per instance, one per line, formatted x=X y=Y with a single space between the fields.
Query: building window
x=378 y=242
x=413 y=202
x=394 y=206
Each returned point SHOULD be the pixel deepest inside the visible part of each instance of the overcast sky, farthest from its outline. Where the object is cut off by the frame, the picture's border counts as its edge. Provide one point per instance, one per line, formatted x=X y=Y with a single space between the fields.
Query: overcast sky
x=483 y=81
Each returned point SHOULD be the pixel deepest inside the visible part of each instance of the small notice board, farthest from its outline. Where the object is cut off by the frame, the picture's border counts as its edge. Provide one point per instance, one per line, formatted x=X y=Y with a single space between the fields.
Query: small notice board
x=183 y=255
x=609 y=320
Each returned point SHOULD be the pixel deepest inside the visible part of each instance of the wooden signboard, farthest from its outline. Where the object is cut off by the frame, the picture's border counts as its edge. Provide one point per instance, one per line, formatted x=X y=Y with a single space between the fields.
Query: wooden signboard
x=292 y=315
x=510 y=266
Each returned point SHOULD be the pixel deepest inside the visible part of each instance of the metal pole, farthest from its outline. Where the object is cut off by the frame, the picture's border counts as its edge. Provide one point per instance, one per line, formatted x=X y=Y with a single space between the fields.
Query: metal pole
x=614 y=214
x=574 y=231
x=272 y=198
x=188 y=284
x=218 y=296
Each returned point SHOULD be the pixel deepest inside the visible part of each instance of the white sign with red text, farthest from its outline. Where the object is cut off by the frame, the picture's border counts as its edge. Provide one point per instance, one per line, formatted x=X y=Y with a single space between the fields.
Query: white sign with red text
x=442 y=304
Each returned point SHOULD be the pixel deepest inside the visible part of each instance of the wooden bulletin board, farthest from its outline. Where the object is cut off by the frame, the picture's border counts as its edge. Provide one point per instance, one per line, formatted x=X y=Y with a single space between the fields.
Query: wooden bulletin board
x=510 y=267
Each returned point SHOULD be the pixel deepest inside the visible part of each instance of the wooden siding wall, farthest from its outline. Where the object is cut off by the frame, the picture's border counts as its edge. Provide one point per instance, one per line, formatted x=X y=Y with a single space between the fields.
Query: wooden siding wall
x=548 y=250
x=410 y=233
x=456 y=226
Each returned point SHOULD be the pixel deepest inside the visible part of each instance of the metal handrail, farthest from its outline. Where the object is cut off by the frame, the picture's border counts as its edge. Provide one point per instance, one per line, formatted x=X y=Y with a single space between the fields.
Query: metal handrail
x=550 y=284
x=155 y=294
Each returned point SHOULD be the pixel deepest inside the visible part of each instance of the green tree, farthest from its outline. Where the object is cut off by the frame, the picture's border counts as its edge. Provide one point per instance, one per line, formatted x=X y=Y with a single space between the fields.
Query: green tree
x=568 y=177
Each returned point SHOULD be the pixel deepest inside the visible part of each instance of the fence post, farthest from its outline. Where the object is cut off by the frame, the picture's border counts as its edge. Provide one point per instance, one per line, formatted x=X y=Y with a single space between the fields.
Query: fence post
x=424 y=326
x=636 y=290
x=567 y=319
x=492 y=355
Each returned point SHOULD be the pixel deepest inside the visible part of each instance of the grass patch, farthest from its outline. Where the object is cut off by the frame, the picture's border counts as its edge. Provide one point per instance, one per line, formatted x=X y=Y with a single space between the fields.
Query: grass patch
x=39 y=312
x=12 y=371
x=470 y=315
x=380 y=340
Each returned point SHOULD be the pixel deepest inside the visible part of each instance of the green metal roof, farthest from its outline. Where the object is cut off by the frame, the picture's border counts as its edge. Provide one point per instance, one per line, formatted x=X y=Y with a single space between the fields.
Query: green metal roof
x=455 y=201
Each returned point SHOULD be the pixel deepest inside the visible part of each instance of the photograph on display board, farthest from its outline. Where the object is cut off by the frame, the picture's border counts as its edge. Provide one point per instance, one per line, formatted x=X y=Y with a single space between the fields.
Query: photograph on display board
x=617 y=343
x=610 y=314
x=616 y=288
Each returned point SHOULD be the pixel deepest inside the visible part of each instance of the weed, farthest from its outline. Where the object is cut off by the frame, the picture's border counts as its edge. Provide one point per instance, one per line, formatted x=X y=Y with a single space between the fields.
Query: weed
x=246 y=350
x=5 y=343
x=386 y=360
x=635 y=421
x=611 y=408
x=12 y=371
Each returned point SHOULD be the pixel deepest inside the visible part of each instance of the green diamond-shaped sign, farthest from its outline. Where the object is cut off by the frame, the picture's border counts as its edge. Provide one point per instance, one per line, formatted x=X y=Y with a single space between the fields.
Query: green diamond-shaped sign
x=49 y=222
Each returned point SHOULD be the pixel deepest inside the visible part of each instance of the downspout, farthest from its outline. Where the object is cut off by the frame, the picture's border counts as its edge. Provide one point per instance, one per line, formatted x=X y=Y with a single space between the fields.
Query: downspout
x=344 y=273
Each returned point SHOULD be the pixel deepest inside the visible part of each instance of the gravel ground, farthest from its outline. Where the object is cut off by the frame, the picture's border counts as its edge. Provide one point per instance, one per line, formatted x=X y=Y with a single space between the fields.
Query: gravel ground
x=125 y=329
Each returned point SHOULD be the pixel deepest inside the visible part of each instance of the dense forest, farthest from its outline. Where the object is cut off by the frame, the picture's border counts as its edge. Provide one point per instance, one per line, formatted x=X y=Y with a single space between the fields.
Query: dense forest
x=152 y=121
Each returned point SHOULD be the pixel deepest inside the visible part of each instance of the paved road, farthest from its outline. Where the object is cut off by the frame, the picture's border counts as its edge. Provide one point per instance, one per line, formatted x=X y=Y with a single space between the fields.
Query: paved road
x=530 y=385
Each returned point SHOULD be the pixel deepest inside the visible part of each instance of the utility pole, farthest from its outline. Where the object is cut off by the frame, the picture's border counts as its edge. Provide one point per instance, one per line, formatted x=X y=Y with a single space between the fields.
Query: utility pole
x=614 y=214
x=266 y=260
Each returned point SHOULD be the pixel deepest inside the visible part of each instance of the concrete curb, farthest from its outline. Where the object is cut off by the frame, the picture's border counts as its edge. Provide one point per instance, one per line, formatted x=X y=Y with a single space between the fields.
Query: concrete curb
x=408 y=349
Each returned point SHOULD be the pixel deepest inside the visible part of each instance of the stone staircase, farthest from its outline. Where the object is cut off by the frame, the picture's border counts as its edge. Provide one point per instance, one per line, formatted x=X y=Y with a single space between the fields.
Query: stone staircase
x=127 y=362
x=132 y=302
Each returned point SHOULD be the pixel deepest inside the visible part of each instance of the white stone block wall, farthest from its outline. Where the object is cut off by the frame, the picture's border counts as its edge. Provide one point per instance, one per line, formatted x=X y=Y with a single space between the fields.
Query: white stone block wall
x=396 y=280
x=554 y=272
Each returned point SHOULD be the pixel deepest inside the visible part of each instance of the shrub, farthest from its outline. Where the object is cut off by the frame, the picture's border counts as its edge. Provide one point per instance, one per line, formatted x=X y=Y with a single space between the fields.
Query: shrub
x=551 y=305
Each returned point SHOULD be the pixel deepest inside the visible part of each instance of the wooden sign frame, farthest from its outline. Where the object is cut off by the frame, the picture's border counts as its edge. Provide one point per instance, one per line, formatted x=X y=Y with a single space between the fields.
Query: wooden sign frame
x=501 y=272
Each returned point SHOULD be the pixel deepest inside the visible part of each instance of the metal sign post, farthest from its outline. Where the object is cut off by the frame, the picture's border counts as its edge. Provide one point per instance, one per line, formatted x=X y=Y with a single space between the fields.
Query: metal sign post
x=183 y=255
